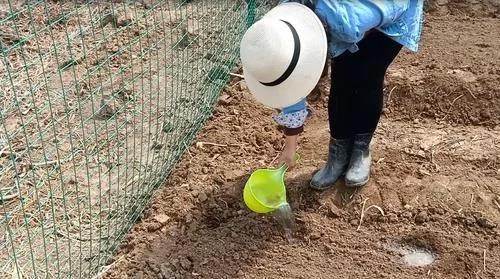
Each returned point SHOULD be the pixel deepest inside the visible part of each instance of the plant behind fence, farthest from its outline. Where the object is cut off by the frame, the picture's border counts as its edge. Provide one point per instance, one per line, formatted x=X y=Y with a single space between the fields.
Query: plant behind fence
x=98 y=101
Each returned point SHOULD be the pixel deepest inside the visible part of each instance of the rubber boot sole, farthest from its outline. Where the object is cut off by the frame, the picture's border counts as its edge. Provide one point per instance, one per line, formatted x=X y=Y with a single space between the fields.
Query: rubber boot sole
x=356 y=184
x=312 y=186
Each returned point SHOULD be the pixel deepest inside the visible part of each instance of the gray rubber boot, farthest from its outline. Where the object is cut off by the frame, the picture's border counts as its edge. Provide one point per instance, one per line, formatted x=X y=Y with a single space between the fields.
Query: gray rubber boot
x=336 y=165
x=358 y=172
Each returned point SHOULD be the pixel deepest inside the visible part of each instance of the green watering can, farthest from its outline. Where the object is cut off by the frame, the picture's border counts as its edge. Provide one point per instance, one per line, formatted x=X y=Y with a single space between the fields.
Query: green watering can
x=265 y=189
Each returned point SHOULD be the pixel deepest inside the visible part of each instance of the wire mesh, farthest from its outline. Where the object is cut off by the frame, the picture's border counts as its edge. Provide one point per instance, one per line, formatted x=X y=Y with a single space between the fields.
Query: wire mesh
x=99 y=99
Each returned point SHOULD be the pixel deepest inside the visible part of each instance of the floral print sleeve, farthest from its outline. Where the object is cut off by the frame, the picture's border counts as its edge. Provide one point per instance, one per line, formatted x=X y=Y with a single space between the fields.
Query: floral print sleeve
x=292 y=118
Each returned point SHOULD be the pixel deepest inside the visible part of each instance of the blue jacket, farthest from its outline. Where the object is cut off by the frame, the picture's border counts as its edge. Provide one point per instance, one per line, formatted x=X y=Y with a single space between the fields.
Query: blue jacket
x=347 y=21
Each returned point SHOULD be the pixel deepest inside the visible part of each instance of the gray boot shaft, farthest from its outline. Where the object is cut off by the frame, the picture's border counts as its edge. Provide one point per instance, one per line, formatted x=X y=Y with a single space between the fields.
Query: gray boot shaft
x=336 y=165
x=358 y=172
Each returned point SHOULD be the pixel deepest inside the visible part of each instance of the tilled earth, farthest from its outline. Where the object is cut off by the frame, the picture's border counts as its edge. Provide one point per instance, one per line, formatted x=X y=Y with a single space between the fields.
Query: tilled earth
x=436 y=177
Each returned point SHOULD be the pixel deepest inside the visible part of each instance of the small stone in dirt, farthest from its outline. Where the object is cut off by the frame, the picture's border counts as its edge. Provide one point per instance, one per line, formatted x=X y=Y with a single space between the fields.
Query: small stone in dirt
x=240 y=273
x=392 y=218
x=234 y=235
x=139 y=275
x=162 y=218
x=334 y=212
x=202 y=197
x=469 y=220
x=235 y=174
x=435 y=217
x=315 y=235
x=189 y=218
x=406 y=215
x=204 y=170
x=186 y=264
x=153 y=227
x=240 y=212
x=253 y=247
x=156 y=146
x=354 y=222
x=243 y=86
x=422 y=217
x=219 y=180
x=421 y=153
x=485 y=223
x=431 y=66
x=485 y=115
x=166 y=272
x=225 y=100
x=126 y=18
x=107 y=108
x=440 y=211
x=474 y=120
x=153 y=267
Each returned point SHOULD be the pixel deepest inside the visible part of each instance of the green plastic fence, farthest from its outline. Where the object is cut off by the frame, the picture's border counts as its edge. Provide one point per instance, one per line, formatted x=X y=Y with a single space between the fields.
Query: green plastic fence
x=98 y=100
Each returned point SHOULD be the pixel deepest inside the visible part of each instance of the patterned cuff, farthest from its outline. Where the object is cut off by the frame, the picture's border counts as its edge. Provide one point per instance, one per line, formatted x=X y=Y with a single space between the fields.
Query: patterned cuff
x=292 y=120
x=293 y=131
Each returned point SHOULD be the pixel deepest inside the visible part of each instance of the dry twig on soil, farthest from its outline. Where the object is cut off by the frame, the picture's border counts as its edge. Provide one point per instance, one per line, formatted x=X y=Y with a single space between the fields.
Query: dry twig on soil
x=236 y=75
x=52 y=162
x=78 y=238
x=497 y=204
x=274 y=159
x=9 y=197
x=484 y=259
x=390 y=94
x=363 y=212
x=200 y=144
x=106 y=268
x=470 y=92
x=451 y=106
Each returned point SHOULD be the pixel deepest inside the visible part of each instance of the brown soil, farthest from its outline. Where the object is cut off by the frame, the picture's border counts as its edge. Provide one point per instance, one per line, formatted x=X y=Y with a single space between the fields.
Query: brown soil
x=436 y=175
x=81 y=104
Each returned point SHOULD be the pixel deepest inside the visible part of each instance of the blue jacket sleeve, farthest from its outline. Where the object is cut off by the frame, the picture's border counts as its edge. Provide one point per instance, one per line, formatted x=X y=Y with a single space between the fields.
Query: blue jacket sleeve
x=301 y=105
x=348 y=21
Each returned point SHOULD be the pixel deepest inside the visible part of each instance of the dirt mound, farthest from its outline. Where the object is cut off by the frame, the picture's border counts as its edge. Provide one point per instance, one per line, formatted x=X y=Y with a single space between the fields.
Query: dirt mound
x=453 y=78
x=445 y=98
x=473 y=8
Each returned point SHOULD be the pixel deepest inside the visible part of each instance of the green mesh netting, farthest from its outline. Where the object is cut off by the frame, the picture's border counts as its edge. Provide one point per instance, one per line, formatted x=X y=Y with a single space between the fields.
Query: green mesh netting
x=98 y=101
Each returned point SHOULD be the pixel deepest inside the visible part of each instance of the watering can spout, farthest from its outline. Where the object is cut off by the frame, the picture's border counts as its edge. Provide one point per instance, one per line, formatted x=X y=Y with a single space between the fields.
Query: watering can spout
x=280 y=172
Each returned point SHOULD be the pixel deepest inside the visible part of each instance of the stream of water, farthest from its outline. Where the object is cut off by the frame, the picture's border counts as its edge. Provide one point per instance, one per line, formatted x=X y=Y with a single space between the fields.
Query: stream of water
x=286 y=218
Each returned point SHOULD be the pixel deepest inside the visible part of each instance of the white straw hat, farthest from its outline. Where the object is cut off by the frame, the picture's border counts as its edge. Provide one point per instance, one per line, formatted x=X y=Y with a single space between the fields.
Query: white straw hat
x=283 y=55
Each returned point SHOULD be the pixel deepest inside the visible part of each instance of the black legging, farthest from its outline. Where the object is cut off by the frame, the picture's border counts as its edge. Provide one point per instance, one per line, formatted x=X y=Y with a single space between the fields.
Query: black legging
x=356 y=94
